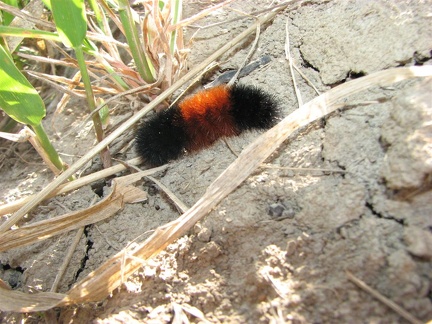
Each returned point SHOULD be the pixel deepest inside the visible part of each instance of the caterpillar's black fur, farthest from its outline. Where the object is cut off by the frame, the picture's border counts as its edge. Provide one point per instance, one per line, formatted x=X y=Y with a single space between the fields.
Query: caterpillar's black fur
x=201 y=119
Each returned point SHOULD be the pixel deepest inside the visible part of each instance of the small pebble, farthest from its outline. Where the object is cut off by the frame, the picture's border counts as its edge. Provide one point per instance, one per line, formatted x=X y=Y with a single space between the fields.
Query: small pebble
x=279 y=212
x=204 y=235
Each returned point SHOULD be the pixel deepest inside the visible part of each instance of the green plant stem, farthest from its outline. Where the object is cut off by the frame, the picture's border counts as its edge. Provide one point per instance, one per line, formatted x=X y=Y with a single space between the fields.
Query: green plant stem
x=143 y=66
x=89 y=92
x=97 y=123
x=97 y=13
x=176 y=19
x=48 y=147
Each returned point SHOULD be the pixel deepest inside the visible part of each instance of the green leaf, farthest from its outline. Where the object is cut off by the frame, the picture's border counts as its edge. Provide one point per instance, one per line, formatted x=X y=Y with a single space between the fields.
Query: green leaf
x=70 y=20
x=28 y=33
x=18 y=98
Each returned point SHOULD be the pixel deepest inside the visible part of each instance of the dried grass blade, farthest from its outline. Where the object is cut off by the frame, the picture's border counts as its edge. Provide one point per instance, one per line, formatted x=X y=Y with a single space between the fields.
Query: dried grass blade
x=110 y=205
x=69 y=186
x=47 y=228
x=17 y=301
x=179 y=204
x=198 y=16
x=67 y=259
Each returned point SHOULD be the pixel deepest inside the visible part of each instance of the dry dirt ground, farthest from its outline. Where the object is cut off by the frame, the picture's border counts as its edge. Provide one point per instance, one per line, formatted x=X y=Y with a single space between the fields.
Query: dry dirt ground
x=351 y=192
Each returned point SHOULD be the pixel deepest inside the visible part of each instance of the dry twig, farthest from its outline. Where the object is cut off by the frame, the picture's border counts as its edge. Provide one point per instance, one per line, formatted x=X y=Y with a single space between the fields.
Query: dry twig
x=389 y=303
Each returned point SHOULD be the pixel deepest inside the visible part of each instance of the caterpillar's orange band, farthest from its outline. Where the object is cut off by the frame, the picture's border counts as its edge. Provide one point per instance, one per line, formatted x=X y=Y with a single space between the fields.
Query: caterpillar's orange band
x=207 y=117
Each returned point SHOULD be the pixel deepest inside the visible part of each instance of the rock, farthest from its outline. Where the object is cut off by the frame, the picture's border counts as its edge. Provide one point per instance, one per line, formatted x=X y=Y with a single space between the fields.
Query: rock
x=419 y=242
x=409 y=136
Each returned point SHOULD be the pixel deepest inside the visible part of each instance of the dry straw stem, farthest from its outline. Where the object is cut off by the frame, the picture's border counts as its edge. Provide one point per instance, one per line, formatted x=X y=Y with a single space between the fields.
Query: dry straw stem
x=73 y=185
x=101 y=282
x=198 y=16
x=181 y=207
x=122 y=192
x=248 y=56
x=290 y=61
x=101 y=145
x=395 y=307
x=67 y=259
